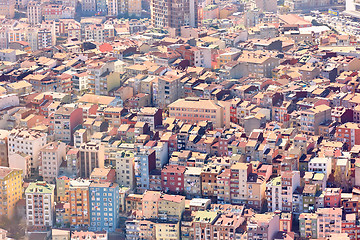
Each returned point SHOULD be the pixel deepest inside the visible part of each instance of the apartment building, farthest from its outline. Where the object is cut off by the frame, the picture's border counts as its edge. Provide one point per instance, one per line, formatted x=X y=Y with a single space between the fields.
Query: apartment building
x=7 y=8
x=239 y=173
x=208 y=180
x=79 y=209
x=91 y=155
x=101 y=77
x=348 y=133
x=104 y=206
x=39 y=205
x=66 y=119
x=167 y=14
x=311 y=119
x=322 y=224
x=152 y=116
x=192 y=181
x=145 y=162
x=194 y=110
x=167 y=90
x=125 y=174
x=34 y=12
x=11 y=181
x=172 y=178
x=263 y=226
x=28 y=142
x=258 y=64
x=52 y=155
x=279 y=191
x=4 y=148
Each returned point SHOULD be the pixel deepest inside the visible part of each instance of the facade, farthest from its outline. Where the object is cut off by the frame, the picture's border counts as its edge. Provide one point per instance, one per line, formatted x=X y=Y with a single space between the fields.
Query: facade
x=91 y=156
x=79 y=209
x=34 y=13
x=176 y=14
x=27 y=141
x=66 y=119
x=312 y=118
x=52 y=155
x=125 y=174
x=172 y=178
x=39 y=205
x=104 y=206
x=11 y=179
x=193 y=110
x=263 y=226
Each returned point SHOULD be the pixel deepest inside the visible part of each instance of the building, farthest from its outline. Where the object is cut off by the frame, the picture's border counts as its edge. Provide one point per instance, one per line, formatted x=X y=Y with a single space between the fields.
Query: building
x=320 y=165
x=79 y=209
x=261 y=226
x=52 y=155
x=192 y=181
x=28 y=142
x=39 y=205
x=172 y=178
x=312 y=118
x=348 y=133
x=103 y=175
x=167 y=90
x=266 y=5
x=308 y=225
x=194 y=110
x=34 y=12
x=7 y=8
x=321 y=224
x=104 y=206
x=279 y=191
x=66 y=119
x=174 y=14
x=11 y=179
x=145 y=162
x=91 y=156
x=4 y=148
x=152 y=116
x=125 y=174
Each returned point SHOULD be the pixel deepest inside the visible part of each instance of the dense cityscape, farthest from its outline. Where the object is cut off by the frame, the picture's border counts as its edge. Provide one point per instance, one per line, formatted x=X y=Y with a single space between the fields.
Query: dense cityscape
x=179 y=119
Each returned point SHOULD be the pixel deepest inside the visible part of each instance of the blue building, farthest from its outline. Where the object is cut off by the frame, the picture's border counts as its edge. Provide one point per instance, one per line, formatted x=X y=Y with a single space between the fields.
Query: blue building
x=104 y=206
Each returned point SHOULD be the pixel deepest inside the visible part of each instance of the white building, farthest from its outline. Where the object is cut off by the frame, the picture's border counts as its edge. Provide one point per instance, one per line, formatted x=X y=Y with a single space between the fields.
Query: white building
x=39 y=204
x=320 y=165
x=34 y=13
x=27 y=141
x=52 y=155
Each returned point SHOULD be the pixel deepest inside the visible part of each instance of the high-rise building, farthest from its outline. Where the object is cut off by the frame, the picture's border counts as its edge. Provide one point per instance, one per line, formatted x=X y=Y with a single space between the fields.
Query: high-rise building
x=174 y=13
x=39 y=205
x=27 y=141
x=52 y=155
x=7 y=8
x=34 y=13
x=11 y=182
x=104 y=206
x=91 y=156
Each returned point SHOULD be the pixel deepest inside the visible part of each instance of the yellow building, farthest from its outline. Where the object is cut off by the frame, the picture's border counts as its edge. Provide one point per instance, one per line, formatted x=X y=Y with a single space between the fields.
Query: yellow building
x=79 y=202
x=171 y=207
x=167 y=230
x=11 y=185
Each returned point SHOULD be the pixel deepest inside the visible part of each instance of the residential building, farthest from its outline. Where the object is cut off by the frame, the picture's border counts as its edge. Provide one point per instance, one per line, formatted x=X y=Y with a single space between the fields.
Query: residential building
x=125 y=174
x=28 y=142
x=52 y=156
x=66 y=119
x=172 y=178
x=194 y=110
x=39 y=205
x=165 y=14
x=263 y=226
x=104 y=206
x=91 y=156
x=11 y=181
x=312 y=118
